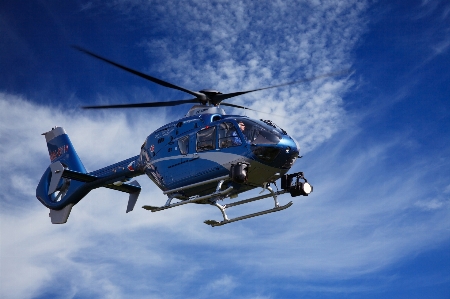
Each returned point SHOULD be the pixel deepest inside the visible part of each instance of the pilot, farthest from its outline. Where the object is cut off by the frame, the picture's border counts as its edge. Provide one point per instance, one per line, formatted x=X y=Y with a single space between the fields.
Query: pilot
x=237 y=139
x=241 y=126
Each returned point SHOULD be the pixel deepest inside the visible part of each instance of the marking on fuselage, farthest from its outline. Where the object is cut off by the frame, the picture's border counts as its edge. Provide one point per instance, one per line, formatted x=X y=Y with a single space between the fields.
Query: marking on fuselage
x=59 y=152
x=182 y=162
x=217 y=157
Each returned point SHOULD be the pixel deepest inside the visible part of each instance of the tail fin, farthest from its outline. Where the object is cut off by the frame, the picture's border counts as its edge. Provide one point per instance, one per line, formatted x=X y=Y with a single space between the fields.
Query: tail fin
x=61 y=149
x=53 y=190
x=66 y=181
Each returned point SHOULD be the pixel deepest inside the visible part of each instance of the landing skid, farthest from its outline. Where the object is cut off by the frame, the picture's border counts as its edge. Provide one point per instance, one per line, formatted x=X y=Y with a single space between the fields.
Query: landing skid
x=290 y=183
x=226 y=220
x=276 y=209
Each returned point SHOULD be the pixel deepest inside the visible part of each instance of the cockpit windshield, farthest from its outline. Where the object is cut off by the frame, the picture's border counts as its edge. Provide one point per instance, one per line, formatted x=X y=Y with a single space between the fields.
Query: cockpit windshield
x=258 y=133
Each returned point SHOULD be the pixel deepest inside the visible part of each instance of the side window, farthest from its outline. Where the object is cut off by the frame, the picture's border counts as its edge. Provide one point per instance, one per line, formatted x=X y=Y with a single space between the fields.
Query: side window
x=206 y=139
x=183 y=145
x=228 y=136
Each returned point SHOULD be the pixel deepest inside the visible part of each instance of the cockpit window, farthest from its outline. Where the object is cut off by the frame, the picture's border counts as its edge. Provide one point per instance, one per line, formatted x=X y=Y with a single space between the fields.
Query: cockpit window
x=258 y=133
x=206 y=139
x=228 y=135
x=273 y=125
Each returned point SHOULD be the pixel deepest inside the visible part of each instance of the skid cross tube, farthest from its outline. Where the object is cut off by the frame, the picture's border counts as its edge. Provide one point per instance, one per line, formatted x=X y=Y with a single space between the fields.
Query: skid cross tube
x=254 y=199
x=226 y=220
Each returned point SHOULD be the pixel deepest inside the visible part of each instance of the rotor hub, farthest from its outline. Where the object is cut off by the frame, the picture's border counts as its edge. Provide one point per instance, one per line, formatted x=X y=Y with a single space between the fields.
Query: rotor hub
x=210 y=95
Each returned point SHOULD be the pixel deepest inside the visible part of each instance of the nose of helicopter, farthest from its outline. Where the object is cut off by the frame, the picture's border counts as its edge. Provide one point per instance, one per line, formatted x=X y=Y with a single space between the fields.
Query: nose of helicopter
x=289 y=144
x=289 y=152
x=283 y=155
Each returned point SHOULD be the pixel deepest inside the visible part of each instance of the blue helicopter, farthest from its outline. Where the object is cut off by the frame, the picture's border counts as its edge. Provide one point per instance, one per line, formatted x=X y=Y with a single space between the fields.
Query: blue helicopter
x=203 y=158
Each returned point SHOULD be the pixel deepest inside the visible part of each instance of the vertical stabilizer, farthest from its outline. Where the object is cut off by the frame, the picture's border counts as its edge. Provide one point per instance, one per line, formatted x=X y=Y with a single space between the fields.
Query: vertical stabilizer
x=61 y=149
x=55 y=191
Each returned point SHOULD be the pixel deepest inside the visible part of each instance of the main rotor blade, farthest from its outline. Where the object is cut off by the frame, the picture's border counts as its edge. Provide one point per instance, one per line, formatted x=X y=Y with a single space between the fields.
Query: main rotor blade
x=142 y=105
x=199 y=96
x=220 y=97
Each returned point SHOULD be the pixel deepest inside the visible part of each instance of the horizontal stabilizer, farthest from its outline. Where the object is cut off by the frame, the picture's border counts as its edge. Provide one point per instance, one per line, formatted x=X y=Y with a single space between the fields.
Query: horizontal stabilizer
x=132 y=187
x=78 y=176
x=58 y=172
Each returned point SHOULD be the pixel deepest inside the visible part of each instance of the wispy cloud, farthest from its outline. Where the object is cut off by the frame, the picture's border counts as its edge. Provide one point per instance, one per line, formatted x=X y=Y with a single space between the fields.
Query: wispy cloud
x=245 y=45
x=86 y=6
x=376 y=202
x=365 y=214
x=434 y=16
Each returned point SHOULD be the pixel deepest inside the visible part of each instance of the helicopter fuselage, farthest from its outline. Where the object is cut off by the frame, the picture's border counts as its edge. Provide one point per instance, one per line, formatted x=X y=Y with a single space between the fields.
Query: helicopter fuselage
x=206 y=145
x=205 y=157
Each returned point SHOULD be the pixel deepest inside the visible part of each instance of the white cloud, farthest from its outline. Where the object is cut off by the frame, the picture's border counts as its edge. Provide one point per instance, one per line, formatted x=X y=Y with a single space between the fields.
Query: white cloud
x=432 y=204
x=225 y=284
x=442 y=47
x=365 y=213
x=362 y=217
x=447 y=189
x=245 y=45
x=433 y=16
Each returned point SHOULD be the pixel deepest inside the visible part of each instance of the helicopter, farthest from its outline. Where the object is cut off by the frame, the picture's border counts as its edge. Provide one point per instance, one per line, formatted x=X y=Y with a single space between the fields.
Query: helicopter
x=205 y=157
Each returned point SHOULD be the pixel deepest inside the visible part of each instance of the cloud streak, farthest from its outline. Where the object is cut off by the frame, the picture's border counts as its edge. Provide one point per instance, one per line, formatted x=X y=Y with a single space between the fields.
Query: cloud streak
x=355 y=223
x=246 y=45
x=380 y=198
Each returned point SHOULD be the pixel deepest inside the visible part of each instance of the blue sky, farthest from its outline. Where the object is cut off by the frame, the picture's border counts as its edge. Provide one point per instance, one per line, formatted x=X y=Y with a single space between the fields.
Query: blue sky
x=375 y=145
